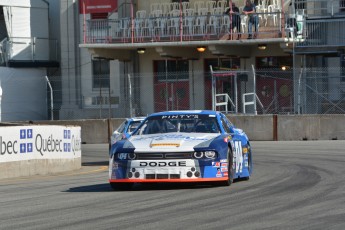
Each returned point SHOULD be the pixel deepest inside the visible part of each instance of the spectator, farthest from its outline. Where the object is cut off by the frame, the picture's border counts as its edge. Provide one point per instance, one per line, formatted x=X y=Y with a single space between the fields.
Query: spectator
x=235 y=19
x=253 y=20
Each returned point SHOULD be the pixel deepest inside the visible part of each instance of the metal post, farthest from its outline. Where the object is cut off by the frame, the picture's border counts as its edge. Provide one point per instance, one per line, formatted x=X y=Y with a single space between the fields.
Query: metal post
x=109 y=98
x=236 y=93
x=254 y=90
x=166 y=85
x=130 y=96
x=51 y=100
x=213 y=91
x=299 y=93
x=100 y=89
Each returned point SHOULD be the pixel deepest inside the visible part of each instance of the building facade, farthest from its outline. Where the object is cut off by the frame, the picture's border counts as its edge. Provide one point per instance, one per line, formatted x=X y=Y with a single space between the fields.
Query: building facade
x=108 y=58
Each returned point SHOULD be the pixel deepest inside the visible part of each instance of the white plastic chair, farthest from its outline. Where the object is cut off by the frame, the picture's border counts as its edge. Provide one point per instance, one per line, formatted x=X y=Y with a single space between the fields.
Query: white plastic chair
x=200 y=25
x=203 y=11
x=185 y=5
x=155 y=6
x=156 y=14
x=244 y=19
x=188 y=12
x=161 y=25
x=198 y=5
x=212 y=26
x=210 y=5
x=141 y=14
x=166 y=8
x=225 y=24
x=174 y=6
x=272 y=15
x=187 y=25
x=147 y=30
x=221 y=4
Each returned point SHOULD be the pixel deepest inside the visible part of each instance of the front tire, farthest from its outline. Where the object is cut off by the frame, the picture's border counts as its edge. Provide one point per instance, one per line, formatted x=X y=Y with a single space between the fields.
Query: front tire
x=250 y=164
x=230 y=179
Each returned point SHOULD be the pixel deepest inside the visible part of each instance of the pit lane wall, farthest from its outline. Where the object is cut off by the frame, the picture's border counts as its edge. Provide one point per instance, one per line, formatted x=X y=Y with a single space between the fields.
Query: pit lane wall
x=258 y=127
x=39 y=150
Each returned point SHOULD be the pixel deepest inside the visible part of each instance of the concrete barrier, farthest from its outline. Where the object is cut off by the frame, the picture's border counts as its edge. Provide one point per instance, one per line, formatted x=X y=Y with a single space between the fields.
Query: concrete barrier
x=258 y=127
x=28 y=150
x=311 y=127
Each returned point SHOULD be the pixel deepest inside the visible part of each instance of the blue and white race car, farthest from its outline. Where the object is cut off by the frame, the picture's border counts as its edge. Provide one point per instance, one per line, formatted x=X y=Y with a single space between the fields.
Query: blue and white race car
x=125 y=129
x=181 y=146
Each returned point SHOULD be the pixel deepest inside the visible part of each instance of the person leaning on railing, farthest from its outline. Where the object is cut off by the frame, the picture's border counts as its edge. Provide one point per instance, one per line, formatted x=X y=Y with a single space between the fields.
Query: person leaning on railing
x=253 y=20
x=235 y=19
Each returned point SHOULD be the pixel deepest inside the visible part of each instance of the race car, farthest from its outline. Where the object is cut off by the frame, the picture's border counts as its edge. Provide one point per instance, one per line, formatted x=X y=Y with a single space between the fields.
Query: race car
x=181 y=146
x=125 y=129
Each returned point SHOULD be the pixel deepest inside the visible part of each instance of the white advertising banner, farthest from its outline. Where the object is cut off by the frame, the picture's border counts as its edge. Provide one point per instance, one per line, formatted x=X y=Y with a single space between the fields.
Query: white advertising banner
x=18 y=143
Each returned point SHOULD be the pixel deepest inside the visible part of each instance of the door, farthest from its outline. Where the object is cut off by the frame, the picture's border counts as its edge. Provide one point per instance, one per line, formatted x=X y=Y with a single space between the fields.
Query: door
x=171 y=85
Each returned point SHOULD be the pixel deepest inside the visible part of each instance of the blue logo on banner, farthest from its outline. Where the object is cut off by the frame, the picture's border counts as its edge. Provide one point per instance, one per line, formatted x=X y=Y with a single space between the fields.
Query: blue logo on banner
x=26 y=147
x=67 y=134
x=29 y=133
x=22 y=134
x=23 y=148
x=29 y=148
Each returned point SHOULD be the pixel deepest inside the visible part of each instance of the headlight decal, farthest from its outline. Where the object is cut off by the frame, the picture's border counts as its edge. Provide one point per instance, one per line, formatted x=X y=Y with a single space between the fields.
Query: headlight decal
x=207 y=154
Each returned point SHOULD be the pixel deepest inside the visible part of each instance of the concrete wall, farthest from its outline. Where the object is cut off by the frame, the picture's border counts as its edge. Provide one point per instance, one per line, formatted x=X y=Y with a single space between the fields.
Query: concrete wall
x=38 y=167
x=258 y=128
x=311 y=127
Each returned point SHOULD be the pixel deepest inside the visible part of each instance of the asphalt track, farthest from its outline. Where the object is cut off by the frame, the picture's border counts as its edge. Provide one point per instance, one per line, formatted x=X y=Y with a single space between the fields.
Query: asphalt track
x=295 y=185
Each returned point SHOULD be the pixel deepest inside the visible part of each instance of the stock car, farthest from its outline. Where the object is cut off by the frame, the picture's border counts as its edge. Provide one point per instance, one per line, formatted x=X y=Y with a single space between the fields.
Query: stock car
x=125 y=129
x=181 y=146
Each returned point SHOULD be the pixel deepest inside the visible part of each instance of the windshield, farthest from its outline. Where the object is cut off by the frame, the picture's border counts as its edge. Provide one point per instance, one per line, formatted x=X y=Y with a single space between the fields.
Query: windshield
x=133 y=125
x=189 y=123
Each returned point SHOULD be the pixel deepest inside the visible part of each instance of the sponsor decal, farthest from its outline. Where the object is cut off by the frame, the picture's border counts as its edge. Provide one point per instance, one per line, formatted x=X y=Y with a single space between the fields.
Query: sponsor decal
x=115 y=165
x=223 y=169
x=169 y=136
x=215 y=164
x=219 y=174
x=165 y=144
x=238 y=157
x=223 y=160
x=224 y=165
x=181 y=116
x=163 y=163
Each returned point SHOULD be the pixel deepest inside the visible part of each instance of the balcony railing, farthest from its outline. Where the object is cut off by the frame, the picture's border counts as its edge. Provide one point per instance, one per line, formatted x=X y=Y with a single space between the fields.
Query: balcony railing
x=323 y=32
x=180 y=28
x=28 y=49
x=313 y=23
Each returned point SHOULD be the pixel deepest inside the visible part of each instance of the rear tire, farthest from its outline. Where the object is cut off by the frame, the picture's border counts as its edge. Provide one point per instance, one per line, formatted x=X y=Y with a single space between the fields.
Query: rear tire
x=121 y=186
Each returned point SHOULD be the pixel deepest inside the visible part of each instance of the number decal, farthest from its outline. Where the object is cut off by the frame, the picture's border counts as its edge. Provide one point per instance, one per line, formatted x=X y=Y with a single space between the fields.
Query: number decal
x=238 y=157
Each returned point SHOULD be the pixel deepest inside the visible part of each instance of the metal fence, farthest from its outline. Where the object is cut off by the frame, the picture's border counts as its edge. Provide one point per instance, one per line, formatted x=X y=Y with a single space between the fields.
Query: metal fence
x=277 y=91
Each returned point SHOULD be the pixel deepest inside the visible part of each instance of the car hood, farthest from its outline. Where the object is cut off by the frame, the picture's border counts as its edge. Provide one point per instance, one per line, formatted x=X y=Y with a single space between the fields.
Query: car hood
x=177 y=142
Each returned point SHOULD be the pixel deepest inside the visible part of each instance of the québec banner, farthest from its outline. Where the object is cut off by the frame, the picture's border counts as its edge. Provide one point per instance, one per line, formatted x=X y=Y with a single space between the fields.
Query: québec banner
x=18 y=143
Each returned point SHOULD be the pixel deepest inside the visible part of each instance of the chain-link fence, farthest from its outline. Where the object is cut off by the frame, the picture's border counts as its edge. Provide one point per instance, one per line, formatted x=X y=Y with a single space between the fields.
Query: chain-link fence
x=277 y=91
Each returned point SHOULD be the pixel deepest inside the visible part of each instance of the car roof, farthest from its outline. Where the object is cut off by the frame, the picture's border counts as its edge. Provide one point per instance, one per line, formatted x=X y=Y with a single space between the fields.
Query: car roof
x=201 y=112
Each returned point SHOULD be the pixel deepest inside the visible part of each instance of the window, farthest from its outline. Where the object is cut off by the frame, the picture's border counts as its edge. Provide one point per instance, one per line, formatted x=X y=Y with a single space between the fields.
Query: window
x=177 y=70
x=101 y=72
x=342 y=5
x=99 y=16
x=273 y=62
